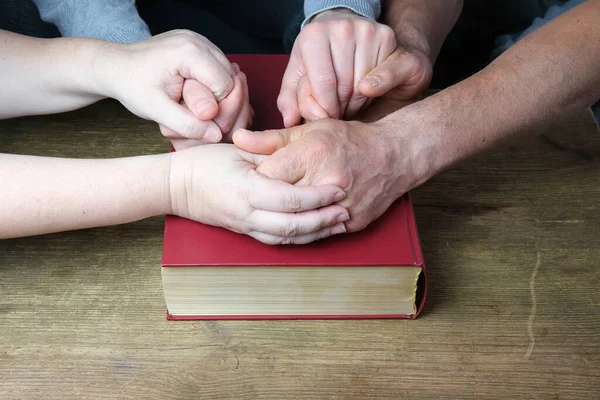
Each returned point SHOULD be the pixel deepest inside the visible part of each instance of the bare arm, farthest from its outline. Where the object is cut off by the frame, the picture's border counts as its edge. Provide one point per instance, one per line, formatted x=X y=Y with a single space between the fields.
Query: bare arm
x=39 y=76
x=546 y=77
x=423 y=24
x=43 y=195
x=420 y=27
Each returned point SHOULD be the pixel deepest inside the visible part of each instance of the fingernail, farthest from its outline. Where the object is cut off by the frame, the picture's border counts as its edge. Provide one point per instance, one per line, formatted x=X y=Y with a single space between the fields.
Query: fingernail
x=319 y=113
x=204 y=106
x=341 y=195
x=343 y=218
x=372 y=81
x=212 y=135
x=338 y=229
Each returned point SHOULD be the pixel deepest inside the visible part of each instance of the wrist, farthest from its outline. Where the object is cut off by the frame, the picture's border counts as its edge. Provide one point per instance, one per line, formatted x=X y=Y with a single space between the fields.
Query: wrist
x=416 y=142
x=339 y=12
x=104 y=59
x=182 y=173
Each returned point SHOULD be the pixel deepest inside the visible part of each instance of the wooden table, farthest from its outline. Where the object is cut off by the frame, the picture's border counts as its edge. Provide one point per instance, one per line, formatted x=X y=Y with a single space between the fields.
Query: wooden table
x=512 y=241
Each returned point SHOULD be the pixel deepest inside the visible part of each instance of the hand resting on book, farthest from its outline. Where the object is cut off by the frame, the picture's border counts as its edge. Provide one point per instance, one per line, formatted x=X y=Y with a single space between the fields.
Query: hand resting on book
x=363 y=159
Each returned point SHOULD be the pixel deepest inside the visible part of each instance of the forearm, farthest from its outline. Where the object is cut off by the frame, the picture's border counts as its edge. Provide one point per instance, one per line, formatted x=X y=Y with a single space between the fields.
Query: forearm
x=42 y=76
x=423 y=24
x=43 y=195
x=546 y=77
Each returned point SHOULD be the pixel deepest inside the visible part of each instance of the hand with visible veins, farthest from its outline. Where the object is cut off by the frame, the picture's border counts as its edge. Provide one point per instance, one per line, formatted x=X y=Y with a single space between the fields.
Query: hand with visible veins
x=367 y=161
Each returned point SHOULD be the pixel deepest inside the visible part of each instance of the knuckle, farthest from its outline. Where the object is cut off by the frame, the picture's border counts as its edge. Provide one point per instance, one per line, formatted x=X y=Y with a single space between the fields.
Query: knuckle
x=345 y=90
x=290 y=229
x=327 y=82
x=344 y=28
x=286 y=240
x=387 y=32
x=368 y=29
x=221 y=90
x=311 y=32
x=189 y=128
x=292 y=203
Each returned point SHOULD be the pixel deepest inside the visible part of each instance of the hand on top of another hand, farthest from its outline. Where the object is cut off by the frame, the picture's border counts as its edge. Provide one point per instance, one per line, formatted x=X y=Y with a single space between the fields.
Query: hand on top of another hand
x=373 y=163
x=219 y=120
x=215 y=185
x=157 y=78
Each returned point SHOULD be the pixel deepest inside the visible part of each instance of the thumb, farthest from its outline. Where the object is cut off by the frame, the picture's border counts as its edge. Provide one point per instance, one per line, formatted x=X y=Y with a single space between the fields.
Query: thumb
x=396 y=70
x=266 y=142
x=180 y=120
x=288 y=164
x=200 y=100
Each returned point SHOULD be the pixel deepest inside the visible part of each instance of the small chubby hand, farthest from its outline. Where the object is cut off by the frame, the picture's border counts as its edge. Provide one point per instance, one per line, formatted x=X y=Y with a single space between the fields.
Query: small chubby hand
x=219 y=120
x=216 y=185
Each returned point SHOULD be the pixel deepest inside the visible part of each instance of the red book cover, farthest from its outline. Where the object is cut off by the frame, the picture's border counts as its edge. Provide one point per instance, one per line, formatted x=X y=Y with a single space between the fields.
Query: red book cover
x=392 y=240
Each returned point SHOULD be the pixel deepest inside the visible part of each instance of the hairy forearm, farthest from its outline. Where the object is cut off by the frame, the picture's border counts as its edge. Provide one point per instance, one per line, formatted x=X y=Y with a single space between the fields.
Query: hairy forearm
x=43 y=195
x=42 y=76
x=548 y=76
x=423 y=24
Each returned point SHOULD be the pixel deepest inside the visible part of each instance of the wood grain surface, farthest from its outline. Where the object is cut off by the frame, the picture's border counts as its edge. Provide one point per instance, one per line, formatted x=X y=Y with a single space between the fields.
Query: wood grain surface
x=511 y=239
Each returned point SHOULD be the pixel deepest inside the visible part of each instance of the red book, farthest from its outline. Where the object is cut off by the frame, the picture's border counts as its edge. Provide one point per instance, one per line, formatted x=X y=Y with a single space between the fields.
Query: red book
x=213 y=273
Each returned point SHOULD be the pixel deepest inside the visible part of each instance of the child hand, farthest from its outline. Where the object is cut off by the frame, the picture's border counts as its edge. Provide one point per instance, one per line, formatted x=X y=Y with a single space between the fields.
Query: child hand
x=148 y=78
x=216 y=186
x=219 y=120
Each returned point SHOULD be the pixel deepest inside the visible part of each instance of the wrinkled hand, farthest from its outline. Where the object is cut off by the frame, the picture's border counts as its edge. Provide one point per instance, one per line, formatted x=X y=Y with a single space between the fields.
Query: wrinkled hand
x=214 y=185
x=220 y=120
x=371 y=165
x=149 y=77
x=329 y=58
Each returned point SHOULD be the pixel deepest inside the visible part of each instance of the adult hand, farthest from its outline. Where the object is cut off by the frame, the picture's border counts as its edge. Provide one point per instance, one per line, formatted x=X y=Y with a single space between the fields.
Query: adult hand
x=214 y=185
x=329 y=58
x=148 y=78
x=372 y=163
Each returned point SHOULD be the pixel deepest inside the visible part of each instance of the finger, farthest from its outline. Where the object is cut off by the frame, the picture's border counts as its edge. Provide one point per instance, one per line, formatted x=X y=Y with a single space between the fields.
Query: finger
x=229 y=109
x=307 y=105
x=212 y=74
x=218 y=54
x=255 y=159
x=182 y=144
x=199 y=100
x=266 y=142
x=300 y=239
x=294 y=224
x=364 y=62
x=343 y=52
x=322 y=78
x=181 y=123
x=244 y=119
x=273 y=195
x=395 y=71
x=286 y=101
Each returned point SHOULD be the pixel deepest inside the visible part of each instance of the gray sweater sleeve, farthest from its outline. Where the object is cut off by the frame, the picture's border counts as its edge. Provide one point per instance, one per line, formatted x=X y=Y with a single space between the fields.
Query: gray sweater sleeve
x=367 y=8
x=111 y=20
